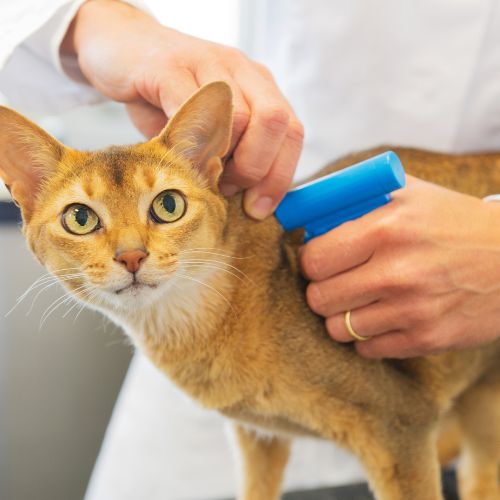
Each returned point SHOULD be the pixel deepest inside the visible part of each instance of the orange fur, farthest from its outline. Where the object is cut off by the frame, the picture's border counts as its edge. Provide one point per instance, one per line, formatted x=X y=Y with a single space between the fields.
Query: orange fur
x=221 y=308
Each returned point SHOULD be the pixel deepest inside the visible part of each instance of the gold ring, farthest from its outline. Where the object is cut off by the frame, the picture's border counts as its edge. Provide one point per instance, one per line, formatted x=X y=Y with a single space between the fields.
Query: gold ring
x=350 y=329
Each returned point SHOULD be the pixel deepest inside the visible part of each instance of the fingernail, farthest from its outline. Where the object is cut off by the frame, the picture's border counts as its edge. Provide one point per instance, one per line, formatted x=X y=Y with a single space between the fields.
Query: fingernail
x=261 y=207
x=228 y=189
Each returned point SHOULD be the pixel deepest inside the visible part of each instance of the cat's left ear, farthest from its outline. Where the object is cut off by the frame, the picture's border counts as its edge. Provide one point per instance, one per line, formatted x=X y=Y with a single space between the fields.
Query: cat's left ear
x=200 y=131
x=28 y=155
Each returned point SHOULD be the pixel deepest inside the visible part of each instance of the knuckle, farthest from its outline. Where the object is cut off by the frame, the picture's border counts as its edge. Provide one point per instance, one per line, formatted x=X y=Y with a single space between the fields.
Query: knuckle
x=281 y=180
x=233 y=53
x=332 y=325
x=247 y=172
x=382 y=230
x=409 y=277
x=240 y=121
x=264 y=71
x=423 y=311
x=312 y=262
x=315 y=298
x=387 y=281
x=296 y=132
x=425 y=342
x=399 y=277
x=416 y=315
x=274 y=119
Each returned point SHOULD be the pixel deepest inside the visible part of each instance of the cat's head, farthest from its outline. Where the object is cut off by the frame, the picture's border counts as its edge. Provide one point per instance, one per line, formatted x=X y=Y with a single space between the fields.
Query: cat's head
x=114 y=224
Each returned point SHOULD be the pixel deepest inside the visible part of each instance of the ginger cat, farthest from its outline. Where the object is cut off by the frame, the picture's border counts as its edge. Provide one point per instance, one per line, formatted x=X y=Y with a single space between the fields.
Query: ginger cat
x=216 y=301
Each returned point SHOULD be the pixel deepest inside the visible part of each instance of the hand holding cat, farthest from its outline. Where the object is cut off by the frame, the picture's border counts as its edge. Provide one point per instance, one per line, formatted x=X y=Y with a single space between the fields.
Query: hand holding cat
x=421 y=274
x=129 y=57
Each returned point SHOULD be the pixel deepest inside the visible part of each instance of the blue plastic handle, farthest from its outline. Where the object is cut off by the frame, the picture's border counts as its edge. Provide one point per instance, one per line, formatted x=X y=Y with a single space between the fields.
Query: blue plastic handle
x=325 y=203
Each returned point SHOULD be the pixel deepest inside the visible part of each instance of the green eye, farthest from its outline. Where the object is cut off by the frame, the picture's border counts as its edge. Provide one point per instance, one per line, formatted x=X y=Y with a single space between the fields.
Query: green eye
x=168 y=206
x=80 y=219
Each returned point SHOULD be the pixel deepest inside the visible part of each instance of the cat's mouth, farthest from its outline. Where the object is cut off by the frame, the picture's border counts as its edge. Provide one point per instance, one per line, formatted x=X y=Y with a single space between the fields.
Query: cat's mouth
x=135 y=286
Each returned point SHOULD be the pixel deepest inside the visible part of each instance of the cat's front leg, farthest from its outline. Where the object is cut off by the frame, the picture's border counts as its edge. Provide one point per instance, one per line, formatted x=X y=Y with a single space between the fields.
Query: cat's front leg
x=264 y=459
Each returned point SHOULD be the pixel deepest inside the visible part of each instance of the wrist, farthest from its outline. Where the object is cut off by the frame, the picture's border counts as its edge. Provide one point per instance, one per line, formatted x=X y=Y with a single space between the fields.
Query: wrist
x=99 y=16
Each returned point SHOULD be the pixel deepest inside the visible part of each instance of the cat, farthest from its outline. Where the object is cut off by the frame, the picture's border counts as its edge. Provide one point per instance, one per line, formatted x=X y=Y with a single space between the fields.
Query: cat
x=216 y=300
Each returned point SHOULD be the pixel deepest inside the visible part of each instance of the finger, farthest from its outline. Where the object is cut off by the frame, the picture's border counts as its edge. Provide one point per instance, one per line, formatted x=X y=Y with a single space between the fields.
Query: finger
x=268 y=151
x=148 y=119
x=396 y=344
x=368 y=321
x=445 y=334
x=174 y=89
x=258 y=147
x=347 y=246
x=263 y=198
x=407 y=343
x=350 y=290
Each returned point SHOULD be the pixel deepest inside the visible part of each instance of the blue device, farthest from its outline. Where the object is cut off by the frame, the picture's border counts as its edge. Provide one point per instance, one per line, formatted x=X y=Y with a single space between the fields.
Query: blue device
x=325 y=203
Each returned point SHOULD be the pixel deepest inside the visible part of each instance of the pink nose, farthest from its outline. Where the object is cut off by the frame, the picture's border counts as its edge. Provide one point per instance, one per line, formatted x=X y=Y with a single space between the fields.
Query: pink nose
x=131 y=259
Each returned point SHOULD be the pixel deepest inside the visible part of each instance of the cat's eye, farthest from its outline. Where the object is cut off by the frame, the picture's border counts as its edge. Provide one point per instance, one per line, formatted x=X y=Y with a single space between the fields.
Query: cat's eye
x=80 y=219
x=168 y=206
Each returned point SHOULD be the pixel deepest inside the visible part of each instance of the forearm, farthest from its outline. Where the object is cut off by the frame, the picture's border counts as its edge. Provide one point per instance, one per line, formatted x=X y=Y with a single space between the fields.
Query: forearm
x=100 y=16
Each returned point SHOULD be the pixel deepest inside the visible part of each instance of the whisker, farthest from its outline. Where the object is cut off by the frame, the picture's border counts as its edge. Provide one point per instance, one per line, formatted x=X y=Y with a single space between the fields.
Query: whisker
x=66 y=297
x=90 y=293
x=83 y=307
x=92 y=296
x=41 y=282
x=38 y=294
x=209 y=287
x=45 y=277
x=57 y=303
x=215 y=261
x=220 y=262
x=56 y=280
x=211 y=250
x=213 y=266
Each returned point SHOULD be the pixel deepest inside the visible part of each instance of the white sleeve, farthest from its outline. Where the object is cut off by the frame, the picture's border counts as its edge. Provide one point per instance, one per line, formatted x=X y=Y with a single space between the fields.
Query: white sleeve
x=492 y=197
x=32 y=75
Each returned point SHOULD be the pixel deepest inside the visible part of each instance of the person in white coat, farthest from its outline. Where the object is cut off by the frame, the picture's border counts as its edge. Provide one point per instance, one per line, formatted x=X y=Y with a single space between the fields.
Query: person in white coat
x=357 y=75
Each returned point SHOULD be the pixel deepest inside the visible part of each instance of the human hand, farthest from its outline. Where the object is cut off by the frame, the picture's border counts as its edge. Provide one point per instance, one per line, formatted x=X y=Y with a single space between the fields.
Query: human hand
x=129 y=57
x=421 y=275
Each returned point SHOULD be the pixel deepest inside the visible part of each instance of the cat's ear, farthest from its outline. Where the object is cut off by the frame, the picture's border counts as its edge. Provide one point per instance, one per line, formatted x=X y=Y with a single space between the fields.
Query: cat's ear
x=201 y=129
x=27 y=156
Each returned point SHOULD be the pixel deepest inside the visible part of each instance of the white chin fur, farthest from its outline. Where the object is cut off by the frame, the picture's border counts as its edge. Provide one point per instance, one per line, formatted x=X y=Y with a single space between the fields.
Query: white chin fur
x=140 y=297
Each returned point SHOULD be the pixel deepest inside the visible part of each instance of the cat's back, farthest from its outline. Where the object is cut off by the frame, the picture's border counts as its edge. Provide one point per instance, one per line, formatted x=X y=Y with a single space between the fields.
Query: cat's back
x=296 y=337
x=477 y=174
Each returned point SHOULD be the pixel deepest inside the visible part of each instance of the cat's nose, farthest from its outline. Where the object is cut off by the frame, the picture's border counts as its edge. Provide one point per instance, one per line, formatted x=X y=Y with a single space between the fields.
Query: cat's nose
x=131 y=259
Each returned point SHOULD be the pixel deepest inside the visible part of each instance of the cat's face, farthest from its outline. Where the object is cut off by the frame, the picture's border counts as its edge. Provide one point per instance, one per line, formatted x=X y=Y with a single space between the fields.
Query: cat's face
x=122 y=226
x=124 y=223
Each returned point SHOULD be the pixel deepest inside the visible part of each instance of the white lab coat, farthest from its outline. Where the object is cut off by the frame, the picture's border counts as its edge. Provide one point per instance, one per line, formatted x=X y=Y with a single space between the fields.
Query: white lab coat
x=359 y=74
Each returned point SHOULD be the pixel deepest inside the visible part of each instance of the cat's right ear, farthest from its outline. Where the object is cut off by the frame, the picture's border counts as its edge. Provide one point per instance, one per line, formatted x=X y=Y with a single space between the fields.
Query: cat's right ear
x=28 y=155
